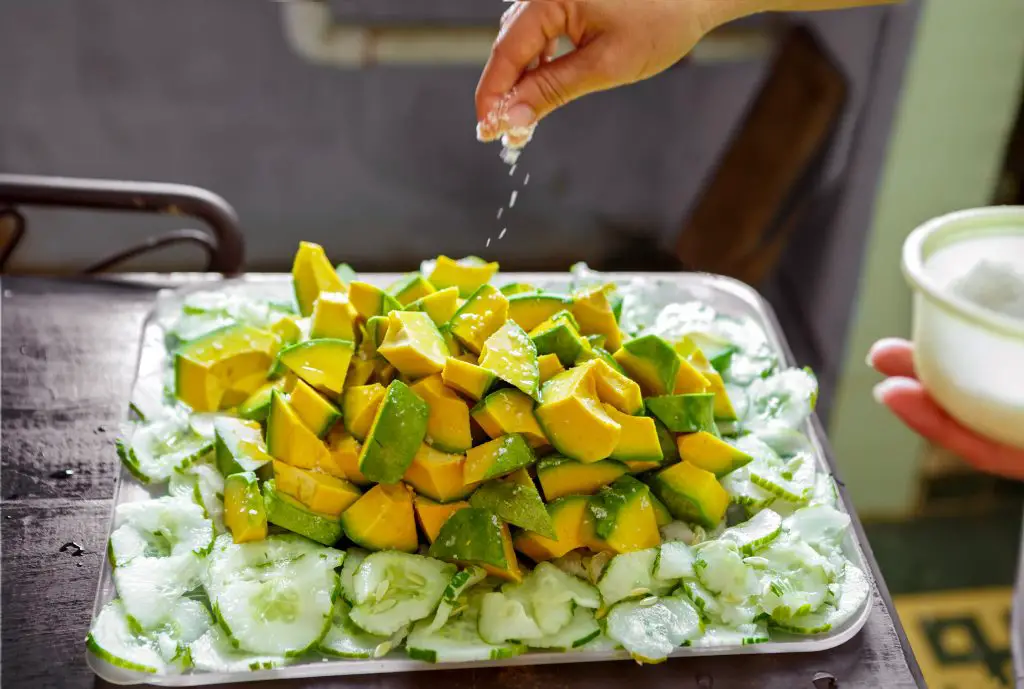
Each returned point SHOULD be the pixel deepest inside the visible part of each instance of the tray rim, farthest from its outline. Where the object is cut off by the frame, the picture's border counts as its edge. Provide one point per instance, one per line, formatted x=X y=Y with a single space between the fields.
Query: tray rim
x=181 y=284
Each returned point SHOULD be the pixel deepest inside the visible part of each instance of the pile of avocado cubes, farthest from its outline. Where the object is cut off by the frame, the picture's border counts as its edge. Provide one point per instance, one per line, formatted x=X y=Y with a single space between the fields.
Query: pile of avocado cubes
x=444 y=401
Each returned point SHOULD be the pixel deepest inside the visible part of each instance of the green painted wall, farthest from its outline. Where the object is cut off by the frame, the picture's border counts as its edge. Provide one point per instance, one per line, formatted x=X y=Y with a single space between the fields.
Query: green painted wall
x=961 y=95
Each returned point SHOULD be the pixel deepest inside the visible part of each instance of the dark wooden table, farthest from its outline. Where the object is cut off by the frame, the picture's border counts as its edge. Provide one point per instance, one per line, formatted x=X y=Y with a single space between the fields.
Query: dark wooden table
x=68 y=353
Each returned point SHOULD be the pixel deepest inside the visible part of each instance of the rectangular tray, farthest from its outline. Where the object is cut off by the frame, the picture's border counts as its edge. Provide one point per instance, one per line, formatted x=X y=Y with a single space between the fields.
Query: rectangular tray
x=725 y=295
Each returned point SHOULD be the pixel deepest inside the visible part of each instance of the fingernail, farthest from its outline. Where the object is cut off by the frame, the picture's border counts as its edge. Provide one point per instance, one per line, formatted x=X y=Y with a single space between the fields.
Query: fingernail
x=521 y=115
x=486 y=132
x=889 y=385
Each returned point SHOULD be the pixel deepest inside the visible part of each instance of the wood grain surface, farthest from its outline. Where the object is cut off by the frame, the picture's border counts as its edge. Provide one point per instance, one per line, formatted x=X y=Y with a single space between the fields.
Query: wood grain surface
x=68 y=354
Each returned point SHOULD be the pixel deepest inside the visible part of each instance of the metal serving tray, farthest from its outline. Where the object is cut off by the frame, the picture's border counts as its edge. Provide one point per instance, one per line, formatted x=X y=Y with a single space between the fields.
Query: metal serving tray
x=725 y=295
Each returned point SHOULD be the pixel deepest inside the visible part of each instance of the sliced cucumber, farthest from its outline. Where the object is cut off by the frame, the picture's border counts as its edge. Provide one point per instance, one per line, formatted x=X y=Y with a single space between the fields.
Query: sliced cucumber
x=505 y=619
x=458 y=641
x=706 y=602
x=785 y=442
x=157 y=448
x=651 y=628
x=818 y=525
x=825 y=492
x=202 y=424
x=791 y=481
x=463 y=580
x=112 y=639
x=720 y=567
x=214 y=652
x=344 y=639
x=628 y=575
x=582 y=628
x=548 y=595
x=392 y=589
x=755 y=533
x=678 y=531
x=717 y=636
x=675 y=561
x=229 y=561
x=203 y=484
x=796 y=582
x=158 y=528
x=149 y=587
x=353 y=558
x=853 y=592
x=187 y=621
x=149 y=401
x=599 y=644
x=783 y=400
x=743 y=491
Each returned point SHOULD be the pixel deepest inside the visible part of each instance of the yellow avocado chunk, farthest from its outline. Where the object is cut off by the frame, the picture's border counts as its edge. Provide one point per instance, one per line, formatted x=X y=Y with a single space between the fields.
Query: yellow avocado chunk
x=479 y=318
x=370 y=300
x=319 y=492
x=312 y=274
x=511 y=355
x=212 y=371
x=413 y=344
x=509 y=411
x=549 y=366
x=343 y=457
x=638 y=440
x=567 y=515
x=333 y=317
x=448 y=420
x=360 y=370
x=561 y=476
x=498 y=457
x=650 y=361
x=318 y=414
x=243 y=508
x=617 y=389
x=359 y=405
x=383 y=519
x=438 y=475
x=475 y=536
x=594 y=314
x=432 y=515
x=323 y=363
x=623 y=516
x=573 y=419
x=440 y=305
x=287 y=329
x=689 y=380
x=468 y=274
x=411 y=287
x=467 y=378
x=704 y=450
x=691 y=494
x=289 y=440
x=530 y=310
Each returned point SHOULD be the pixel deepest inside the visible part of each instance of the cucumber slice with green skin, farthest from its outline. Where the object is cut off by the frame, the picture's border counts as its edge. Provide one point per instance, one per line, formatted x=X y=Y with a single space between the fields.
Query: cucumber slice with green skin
x=792 y=481
x=820 y=526
x=599 y=644
x=853 y=593
x=353 y=558
x=149 y=587
x=204 y=485
x=187 y=621
x=783 y=400
x=392 y=589
x=825 y=491
x=549 y=595
x=717 y=636
x=755 y=533
x=239 y=447
x=679 y=531
x=784 y=442
x=706 y=602
x=158 y=528
x=628 y=575
x=796 y=581
x=213 y=652
x=581 y=629
x=743 y=491
x=504 y=619
x=111 y=638
x=675 y=561
x=651 y=628
x=345 y=640
x=149 y=401
x=202 y=424
x=458 y=641
x=157 y=448
x=229 y=560
x=462 y=581
x=720 y=567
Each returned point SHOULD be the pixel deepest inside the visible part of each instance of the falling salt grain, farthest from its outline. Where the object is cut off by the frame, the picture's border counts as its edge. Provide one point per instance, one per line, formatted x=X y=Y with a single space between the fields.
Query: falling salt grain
x=512 y=199
x=488 y=241
x=500 y=211
x=526 y=180
x=512 y=170
x=502 y=233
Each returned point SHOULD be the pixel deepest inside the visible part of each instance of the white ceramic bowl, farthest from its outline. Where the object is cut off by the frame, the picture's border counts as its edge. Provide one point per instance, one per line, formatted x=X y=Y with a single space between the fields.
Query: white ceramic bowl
x=970 y=359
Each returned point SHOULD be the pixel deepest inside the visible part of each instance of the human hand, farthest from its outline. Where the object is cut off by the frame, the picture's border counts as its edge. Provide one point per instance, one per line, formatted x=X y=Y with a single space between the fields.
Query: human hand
x=904 y=395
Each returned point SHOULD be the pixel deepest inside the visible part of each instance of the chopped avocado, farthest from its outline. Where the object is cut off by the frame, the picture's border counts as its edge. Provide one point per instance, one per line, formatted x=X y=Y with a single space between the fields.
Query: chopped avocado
x=594 y=314
x=448 y=421
x=317 y=413
x=440 y=305
x=561 y=476
x=469 y=379
x=413 y=344
x=289 y=440
x=318 y=492
x=716 y=351
x=549 y=365
x=517 y=288
x=617 y=389
x=624 y=516
x=243 y=508
x=383 y=519
x=360 y=372
x=661 y=514
x=411 y=287
x=289 y=513
x=476 y=320
x=711 y=453
x=383 y=372
x=691 y=494
x=684 y=413
x=515 y=500
x=376 y=330
x=222 y=368
x=468 y=274
x=509 y=411
x=343 y=457
x=312 y=274
x=455 y=347
x=498 y=457
x=359 y=407
x=238 y=446
x=432 y=515
x=724 y=411
x=572 y=417
x=530 y=310
x=288 y=329
x=689 y=379
x=345 y=272
x=321 y=363
x=333 y=317
x=370 y=300
x=511 y=355
x=438 y=475
x=667 y=439
x=395 y=436
x=475 y=536
x=560 y=336
x=595 y=340
x=567 y=516
x=257 y=405
x=638 y=441
x=650 y=361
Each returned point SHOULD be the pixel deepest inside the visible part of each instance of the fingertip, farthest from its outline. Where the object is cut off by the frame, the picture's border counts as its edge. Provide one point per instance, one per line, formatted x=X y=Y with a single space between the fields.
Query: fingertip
x=890 y=389
x=887 y=345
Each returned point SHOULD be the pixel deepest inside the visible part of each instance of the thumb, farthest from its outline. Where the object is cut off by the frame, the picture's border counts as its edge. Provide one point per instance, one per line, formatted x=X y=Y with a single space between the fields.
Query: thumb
x=555 y=83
